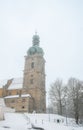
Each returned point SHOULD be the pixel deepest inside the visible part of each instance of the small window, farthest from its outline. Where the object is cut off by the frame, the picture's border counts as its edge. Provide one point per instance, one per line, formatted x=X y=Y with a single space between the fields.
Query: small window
x=32 y=65
x=23 y=107
x=31 y=81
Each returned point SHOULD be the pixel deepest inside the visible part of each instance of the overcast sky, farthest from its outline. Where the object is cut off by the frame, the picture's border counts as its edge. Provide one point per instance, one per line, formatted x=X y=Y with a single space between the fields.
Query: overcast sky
x=59 y=24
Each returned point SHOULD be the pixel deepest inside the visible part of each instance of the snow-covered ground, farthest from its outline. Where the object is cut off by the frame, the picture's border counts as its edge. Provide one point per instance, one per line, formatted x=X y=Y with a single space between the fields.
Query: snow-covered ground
x=23 y=121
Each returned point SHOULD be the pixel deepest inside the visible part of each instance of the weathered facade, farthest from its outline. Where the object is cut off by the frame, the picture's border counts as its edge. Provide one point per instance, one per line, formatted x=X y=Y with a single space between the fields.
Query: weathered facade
x=28 y=94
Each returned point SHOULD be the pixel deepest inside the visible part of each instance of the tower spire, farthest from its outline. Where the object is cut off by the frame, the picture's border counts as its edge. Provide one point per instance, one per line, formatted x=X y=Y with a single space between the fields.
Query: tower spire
x=35 y=39
x=35 y=49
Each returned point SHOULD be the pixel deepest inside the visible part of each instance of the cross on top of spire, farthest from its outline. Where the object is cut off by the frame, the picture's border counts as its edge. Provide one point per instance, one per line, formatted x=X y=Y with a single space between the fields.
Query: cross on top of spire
x=35 y=32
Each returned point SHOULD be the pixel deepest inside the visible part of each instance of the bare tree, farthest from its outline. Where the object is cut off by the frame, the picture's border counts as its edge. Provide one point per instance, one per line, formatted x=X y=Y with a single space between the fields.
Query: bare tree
x=57 y=94
x=74 y=91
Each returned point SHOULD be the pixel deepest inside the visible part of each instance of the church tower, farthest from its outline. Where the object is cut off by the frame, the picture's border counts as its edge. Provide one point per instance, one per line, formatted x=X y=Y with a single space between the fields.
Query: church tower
x=34 y=75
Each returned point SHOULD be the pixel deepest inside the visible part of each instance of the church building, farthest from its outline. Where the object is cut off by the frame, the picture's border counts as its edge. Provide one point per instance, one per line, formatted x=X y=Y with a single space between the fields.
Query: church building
x=28 y=94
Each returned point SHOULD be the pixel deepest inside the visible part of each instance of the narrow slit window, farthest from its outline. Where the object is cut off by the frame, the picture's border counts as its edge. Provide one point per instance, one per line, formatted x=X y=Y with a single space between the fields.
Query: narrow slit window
x=32 y=65
x=23 y=107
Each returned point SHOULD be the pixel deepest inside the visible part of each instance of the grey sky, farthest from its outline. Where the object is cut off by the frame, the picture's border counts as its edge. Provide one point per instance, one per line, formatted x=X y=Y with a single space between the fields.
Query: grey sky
x=60 y=26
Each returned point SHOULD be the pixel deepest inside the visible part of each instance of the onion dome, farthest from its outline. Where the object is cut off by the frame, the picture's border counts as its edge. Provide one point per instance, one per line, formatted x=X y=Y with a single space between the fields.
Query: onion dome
x=35 y=49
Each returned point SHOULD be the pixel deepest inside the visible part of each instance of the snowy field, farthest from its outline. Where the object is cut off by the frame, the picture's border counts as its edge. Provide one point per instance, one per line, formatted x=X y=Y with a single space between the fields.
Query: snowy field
x=18 y=121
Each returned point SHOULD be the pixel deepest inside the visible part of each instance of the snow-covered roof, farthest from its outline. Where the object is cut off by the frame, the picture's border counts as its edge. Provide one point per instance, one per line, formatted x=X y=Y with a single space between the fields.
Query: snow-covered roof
x=16 y=96
x=17 y=83
x=12 y=96
x=2 y=83
x=25 y=95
